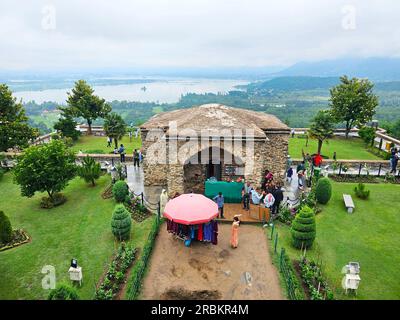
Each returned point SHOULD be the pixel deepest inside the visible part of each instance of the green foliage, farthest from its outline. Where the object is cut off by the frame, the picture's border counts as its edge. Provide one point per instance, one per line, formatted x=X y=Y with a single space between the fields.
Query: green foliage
x=57 y=200
x=66 y=126
x=353 y=102
x=1 y=173
x=289 y=274
x=116 y=273
x=63 y=292
x=303 y=228
x=120 y=190
x=312 y=276
x=321 y=127
x=114 y=127
x=83 y=103
x=90 y=170
x=121 y=222
x=323 y=190
x=361 y=192
x=14 y=128
x=5 y=228
x=140 y=267
x=367 y=134
x=45 y=168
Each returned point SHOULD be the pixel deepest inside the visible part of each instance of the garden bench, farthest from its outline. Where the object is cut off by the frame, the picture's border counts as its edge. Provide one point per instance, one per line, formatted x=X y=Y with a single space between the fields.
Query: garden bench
x=348 y=202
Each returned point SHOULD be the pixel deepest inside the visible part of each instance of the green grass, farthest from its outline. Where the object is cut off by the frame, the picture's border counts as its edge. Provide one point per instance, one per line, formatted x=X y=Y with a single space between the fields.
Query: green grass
x=80 y=229
x=94 y=144
x=352 y=148
x=371 y=236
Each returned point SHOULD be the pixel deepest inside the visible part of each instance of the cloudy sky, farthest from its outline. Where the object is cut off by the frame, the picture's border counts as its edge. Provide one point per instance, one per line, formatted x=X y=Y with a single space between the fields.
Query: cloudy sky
x=193 y=33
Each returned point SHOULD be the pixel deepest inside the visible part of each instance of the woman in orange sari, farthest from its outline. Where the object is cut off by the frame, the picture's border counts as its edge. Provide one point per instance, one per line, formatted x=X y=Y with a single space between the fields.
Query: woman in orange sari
x=235 y=231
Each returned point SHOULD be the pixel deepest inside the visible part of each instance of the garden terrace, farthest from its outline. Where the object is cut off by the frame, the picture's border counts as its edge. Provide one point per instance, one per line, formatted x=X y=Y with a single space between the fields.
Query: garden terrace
x=369 y=236
x=79 y=229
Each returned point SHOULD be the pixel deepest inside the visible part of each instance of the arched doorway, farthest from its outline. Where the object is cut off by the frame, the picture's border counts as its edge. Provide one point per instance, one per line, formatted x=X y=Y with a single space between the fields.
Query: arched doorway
x=218 y=163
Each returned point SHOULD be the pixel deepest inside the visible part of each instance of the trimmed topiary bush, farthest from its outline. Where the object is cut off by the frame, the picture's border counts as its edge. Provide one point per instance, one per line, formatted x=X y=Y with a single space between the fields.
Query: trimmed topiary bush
x=121 y=223
x=323 y=190
x=120 y=191
x=5 y=228
x=303 y=228
x=63 y=292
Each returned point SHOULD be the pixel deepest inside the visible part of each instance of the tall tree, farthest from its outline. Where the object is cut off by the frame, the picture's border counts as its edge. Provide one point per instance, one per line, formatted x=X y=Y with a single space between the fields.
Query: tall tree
x=14 y=128
x=83 y=103
x=115 y=127
x=321 y=127
x=45 y=168
x=67 y=126
x=353 y=102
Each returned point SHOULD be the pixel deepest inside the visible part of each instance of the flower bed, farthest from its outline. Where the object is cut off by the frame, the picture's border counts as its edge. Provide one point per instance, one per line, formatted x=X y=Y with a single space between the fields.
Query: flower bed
x=19 y=237
x=138 y=211
x=313 y=280
x=116 y=274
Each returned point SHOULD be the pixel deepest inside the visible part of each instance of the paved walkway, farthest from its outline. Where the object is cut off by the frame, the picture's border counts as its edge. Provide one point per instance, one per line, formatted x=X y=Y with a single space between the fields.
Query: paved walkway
x=135 y=177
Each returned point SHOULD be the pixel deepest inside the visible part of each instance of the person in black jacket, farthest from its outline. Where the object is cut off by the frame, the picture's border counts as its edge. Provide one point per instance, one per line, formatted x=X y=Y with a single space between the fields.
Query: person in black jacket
x=278 y=195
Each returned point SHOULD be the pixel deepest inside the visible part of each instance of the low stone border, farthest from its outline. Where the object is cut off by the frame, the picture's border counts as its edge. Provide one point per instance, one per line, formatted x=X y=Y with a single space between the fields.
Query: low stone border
x=17 y=244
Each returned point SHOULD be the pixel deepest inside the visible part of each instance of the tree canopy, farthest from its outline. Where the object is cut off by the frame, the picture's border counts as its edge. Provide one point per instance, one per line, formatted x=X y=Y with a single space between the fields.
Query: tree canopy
x=353 y=102
x=14 y=128
x=67 y=126
x=45 y=168
x=321 y=127
x=83 y=103
x=90 y=170
x=115 y=127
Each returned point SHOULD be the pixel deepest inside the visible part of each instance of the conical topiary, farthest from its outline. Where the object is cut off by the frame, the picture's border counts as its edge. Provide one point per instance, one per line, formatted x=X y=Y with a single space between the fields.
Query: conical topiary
x=5 y=228
x=303 y=228
x=323 y=190
x=121 y=223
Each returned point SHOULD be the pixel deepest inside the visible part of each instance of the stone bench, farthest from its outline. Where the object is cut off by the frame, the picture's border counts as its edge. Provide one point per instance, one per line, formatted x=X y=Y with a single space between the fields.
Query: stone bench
x=348 y=202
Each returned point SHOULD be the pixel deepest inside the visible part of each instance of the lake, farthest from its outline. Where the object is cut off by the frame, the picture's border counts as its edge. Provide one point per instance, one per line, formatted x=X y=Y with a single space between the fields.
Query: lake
x=156 y=90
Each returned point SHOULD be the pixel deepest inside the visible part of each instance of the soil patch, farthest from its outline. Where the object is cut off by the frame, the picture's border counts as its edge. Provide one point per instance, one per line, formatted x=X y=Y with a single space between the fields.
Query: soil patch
x=180 y=293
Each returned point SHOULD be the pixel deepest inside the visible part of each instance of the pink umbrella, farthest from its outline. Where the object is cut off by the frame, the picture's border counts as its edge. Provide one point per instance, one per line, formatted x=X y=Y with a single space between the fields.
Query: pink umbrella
x=191 y=209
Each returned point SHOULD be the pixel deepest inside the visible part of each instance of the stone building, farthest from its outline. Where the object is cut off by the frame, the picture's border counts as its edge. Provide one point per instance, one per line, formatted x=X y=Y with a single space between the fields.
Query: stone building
x=183 y=148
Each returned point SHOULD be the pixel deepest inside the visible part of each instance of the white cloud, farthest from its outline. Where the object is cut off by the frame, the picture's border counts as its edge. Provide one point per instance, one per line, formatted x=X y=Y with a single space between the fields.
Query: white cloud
x=197 y=33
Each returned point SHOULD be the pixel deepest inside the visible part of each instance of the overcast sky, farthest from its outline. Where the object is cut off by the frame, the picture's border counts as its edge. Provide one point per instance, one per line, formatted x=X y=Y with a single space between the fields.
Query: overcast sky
x=193 y=33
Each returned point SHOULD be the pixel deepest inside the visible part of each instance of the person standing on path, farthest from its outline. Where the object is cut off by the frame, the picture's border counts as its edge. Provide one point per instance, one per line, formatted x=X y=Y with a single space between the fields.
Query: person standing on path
x=163 y=201
x=136 y=158
x=235 y=232
x=246 y=196
x=121 y=151
x=278 y=195
x=219 y=199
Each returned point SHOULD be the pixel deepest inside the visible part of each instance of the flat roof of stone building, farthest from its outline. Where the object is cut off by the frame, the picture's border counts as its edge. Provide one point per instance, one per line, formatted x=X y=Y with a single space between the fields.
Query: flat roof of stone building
x=216 y=117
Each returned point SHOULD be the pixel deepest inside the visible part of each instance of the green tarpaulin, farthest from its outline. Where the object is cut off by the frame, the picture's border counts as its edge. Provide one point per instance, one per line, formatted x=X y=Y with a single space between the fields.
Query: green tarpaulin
x=232 y=191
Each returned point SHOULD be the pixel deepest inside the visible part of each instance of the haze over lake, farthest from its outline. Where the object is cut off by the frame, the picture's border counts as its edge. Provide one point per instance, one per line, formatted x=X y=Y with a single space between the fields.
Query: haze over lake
x=167 y=90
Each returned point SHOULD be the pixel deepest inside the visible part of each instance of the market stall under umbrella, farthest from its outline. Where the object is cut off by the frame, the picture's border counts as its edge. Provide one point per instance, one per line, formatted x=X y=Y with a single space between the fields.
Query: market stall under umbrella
x=191 y=209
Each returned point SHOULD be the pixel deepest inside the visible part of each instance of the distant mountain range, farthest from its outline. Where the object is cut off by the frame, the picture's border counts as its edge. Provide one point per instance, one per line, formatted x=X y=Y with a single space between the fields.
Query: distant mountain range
x=301 y=83
x=377 y=69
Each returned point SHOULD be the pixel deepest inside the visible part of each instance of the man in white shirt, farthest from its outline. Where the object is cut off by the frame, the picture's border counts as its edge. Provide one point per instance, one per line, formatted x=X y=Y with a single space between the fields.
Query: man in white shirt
x=256 y=196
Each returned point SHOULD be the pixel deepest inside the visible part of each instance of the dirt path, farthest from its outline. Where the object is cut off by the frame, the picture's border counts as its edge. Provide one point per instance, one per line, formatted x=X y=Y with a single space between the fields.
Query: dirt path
x=206 y=271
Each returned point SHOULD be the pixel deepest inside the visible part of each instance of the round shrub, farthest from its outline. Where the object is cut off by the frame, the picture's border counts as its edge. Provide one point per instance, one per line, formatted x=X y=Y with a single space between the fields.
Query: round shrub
x=303 y=228
x=323 y=190
x=5 y=228
x=121 y=223
x=120 y=190
x=63 y=292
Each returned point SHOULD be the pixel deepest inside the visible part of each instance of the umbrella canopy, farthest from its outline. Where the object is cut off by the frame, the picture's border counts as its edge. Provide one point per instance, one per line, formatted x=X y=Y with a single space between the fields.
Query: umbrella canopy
x=191 y=209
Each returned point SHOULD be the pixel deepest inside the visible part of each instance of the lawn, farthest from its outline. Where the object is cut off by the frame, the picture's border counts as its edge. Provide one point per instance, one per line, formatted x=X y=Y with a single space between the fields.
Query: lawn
x=352 y=148
x=370 y=236
x=95 y=144
x=80 y=229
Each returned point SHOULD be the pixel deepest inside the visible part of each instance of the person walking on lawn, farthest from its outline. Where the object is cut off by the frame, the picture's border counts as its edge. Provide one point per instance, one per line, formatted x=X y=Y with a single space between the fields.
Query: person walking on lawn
x=219 y=199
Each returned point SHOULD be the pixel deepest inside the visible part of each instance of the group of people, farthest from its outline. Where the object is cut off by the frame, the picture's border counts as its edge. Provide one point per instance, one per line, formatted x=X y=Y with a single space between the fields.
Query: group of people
x=394 y=159
x=137 y=154
x=268 y=195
